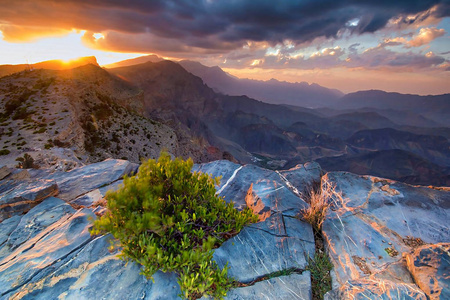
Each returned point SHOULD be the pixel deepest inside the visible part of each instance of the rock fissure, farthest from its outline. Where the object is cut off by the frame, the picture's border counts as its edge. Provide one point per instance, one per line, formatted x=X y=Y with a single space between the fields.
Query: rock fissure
x=284 y=272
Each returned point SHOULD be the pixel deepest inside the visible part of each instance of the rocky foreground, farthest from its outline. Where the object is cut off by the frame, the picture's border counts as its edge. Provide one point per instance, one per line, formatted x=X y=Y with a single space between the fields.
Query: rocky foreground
x=387 y=240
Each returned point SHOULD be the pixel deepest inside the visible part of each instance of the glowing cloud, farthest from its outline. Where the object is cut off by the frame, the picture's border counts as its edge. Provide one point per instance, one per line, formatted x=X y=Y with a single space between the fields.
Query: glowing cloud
x=425 y=36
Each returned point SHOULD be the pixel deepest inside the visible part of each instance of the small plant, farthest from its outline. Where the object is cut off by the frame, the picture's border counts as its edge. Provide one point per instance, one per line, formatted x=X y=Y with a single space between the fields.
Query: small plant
x=320 y=268
x=319 y=203
x=167 y=218
x=26 y=162
x=391 y=251
x=4 y=152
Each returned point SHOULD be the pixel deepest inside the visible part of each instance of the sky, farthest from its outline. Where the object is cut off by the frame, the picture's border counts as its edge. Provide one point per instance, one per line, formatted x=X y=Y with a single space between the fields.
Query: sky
x=393 y=45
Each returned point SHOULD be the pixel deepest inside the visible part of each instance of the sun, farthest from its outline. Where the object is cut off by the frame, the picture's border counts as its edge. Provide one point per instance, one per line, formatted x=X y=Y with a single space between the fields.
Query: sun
x=65 y=48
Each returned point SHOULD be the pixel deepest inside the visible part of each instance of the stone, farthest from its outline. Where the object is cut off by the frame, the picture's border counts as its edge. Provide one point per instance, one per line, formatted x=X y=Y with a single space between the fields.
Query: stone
x=256 y=205
x=45 y=251
x=266 y=247
x=6 y=227
x=219 y=168
x=267 y=186
x=96 y=273
x=294 y=286
x=430 y=267
x=303 y=178
x=37 y=219
x=4 y=172
x=82 y=180
x=22 y=197
x=97 y=195
x=377 y=221
x=367 y=289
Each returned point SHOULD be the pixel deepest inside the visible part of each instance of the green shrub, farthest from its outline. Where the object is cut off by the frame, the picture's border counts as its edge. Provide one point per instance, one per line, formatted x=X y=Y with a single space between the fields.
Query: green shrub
x=4 y=152
x=167 y=218
x=26 y=162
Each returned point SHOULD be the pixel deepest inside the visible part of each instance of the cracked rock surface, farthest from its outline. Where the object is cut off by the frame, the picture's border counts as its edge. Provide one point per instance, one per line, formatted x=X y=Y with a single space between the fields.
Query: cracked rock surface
x=46 y=251
x=387 y=240
x=370 y=233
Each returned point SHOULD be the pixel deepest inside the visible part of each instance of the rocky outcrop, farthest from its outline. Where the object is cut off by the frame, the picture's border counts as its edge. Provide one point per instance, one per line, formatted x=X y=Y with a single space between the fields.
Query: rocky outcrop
x=23 y=189
x=378 y=223
x=48 y=252
x=385 y=239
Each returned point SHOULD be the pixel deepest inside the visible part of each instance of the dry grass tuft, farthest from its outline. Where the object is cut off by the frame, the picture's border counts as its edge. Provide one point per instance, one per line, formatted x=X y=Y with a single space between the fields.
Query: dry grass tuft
x=320 y=201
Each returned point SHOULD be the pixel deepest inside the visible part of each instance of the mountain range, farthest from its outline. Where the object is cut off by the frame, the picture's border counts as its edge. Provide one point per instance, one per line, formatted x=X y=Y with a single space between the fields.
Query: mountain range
x=136 y=109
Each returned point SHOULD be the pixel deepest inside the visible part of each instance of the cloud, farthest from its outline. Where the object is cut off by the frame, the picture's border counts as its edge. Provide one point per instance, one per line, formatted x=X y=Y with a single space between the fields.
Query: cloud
x=208 y=26
x=425 y=36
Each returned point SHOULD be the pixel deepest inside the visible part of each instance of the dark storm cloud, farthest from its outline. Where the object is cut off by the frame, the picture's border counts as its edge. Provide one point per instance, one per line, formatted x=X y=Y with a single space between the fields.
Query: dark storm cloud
x=209 y=24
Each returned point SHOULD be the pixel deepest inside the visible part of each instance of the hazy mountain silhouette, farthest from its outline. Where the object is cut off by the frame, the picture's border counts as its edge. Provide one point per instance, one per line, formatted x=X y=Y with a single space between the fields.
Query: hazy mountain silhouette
x=434 y=108
x=393 y=164
x=134 y=61
x=270 y=91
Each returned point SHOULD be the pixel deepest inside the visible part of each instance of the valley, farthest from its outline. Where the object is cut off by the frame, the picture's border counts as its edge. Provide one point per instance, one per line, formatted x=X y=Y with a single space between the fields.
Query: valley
x=142 y=107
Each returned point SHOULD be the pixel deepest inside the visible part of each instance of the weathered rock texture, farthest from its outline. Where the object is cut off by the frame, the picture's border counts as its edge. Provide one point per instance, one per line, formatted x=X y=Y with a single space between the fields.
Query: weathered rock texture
x=369 y=233
x=48 y=253
x=386 y=240
x=430 y=268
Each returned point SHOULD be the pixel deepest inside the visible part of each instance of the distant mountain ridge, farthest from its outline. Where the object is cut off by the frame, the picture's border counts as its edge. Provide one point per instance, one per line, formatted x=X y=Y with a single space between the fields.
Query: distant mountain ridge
x=433 y=107
x=270 y=91
x=49 y=65
x=115 y=107
x=134 y=61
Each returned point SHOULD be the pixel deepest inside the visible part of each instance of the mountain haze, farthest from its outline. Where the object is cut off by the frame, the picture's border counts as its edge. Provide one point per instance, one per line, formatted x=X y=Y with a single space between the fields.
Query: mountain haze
x=136 y=110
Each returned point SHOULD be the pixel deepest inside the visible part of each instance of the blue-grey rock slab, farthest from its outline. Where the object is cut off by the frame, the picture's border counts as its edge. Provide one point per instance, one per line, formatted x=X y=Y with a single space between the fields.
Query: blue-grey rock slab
x=303 y=177
x=96 y=273
x=267 y=185
x=44 y=251
x=219 y=168
x=22 y=197
x=6 y=227
x=82 y=180
x=258 y=251
x=373 y=226
x=292 y=287
x=368 y=289
x=29 y=191
x=430 y=267
x=37 y=219
x=96 y=195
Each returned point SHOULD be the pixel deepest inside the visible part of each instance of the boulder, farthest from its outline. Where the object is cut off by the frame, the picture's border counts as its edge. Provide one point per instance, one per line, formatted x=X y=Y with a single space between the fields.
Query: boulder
x=294 y=286
x=96 y=273
x=44 y=252
x=430 y=267
x=377 y=221
x=272 y=189
x=4 y=171
x=22 y=196
x=302 y=178
x=82 y=180
x=97 y=195
x=279 y=243
x=367 y=289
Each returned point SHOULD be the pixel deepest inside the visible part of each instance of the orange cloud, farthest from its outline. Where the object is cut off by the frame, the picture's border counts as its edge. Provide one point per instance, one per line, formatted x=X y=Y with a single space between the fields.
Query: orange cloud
x=20 y=34
x=425 y=36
